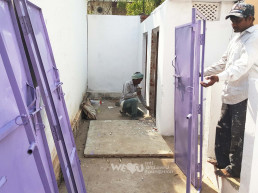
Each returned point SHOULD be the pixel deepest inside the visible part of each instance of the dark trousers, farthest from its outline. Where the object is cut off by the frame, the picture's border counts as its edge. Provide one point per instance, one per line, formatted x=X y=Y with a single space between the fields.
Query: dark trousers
x=230 y=137
x=131 y=107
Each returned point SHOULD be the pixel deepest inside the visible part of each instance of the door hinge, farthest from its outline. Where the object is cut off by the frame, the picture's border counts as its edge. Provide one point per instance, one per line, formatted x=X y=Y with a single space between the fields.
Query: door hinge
x=59 y=90
x=198 y=167
x=202 y=39
x=194 y=26
x=55 y=133
x=199 y=109
x=25 y=25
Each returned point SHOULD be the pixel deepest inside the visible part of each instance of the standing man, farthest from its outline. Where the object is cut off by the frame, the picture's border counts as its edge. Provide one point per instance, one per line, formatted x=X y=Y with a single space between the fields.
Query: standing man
x=131 y=93
x=239 y=63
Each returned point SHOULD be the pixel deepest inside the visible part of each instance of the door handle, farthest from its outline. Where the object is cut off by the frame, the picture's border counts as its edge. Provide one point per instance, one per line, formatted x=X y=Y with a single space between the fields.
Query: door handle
x=189 y=116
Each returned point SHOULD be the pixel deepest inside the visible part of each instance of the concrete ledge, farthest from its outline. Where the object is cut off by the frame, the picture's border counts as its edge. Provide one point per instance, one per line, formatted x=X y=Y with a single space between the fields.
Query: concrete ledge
x=103 y=95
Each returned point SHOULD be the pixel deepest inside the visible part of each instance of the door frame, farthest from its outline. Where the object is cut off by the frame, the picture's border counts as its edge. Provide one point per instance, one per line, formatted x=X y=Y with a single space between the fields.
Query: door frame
x=153 y=84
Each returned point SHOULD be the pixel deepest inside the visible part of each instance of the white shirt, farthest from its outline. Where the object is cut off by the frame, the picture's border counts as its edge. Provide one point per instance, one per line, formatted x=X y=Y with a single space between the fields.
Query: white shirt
x=130 y=91
x=238 y=63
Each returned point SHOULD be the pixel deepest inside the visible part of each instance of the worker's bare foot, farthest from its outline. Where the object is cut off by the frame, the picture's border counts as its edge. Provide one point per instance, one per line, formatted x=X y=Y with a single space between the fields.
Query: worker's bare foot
x=213 y=161
x=123 y=113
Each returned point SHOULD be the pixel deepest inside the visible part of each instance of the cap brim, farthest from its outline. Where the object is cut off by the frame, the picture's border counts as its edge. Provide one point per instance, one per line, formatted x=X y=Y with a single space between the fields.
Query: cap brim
x=235 y=14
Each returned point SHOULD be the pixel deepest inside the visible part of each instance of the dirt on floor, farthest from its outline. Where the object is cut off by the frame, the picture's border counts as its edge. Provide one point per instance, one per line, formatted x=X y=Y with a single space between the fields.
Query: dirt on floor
x=108 y=175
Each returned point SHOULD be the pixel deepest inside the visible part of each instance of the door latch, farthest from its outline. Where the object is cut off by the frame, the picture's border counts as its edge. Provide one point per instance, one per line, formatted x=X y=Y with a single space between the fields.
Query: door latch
x=189 y=116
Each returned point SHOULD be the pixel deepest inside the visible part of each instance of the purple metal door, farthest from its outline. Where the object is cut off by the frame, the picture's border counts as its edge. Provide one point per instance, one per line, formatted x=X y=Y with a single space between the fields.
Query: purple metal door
x=188 y=99
x=26 y=165
x=37 y=42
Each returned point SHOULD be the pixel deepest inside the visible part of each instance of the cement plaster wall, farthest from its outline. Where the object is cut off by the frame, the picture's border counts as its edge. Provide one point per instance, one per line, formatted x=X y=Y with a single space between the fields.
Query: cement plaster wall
x=113 y=51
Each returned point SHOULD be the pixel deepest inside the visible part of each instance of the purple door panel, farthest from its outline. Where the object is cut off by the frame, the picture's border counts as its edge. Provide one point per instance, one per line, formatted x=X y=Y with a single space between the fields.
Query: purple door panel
x=50 y=70
x=37 y=42
x=25 y=164
x=182 y=93
x=188 y=105
x=16 y=164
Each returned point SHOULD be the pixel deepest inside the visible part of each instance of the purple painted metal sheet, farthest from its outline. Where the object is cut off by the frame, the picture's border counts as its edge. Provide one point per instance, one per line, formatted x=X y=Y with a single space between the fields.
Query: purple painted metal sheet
x=183 y=91
x=40 y=52
x=188 y=104
x=25 y=159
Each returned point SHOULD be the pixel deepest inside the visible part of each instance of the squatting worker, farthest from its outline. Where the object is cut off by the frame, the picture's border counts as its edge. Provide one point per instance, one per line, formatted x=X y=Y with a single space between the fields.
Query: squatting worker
x=237 y=65
x=131 y=93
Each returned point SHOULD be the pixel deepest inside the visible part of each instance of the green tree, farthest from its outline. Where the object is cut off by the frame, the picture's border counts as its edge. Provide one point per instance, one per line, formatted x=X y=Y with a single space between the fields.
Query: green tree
x=137 y=7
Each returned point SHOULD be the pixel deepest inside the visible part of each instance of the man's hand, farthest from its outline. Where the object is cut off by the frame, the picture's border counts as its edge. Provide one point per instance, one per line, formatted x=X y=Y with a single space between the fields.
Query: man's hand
x=212 y=79
x=139 y=93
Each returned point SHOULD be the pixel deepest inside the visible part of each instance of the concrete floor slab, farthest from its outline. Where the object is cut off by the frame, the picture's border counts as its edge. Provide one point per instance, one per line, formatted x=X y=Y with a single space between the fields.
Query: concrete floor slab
x=124 y=138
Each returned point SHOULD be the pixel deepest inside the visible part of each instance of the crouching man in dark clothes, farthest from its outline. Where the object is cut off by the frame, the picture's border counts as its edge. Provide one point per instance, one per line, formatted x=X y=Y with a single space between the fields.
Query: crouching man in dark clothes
x=131 y=94
x=239 y=63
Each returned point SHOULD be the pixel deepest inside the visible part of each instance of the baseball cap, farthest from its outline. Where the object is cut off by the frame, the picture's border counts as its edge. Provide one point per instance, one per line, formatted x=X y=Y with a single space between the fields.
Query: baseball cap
x=241 y=10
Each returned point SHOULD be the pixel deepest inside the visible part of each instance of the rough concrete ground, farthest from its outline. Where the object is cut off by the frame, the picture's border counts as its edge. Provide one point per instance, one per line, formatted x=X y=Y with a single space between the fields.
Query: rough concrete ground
x=115 y=175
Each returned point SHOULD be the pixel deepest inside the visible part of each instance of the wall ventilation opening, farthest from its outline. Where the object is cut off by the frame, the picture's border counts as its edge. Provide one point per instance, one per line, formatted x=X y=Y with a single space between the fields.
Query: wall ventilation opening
x=210 y=10
x=99 y=9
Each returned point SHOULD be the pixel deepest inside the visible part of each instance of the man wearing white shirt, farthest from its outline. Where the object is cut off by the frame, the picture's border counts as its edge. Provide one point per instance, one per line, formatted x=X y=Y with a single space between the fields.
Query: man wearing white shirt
x=130 y=95
x=237 y=65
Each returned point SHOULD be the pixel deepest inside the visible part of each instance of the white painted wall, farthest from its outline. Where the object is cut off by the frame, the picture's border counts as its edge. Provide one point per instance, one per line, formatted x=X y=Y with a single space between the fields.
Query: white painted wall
x=66 y=22
x=167 y=17
x=249 y=170
x=113 y=51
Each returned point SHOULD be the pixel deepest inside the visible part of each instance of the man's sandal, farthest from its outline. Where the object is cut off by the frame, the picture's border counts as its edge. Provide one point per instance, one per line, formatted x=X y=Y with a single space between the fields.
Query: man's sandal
x=223 y=173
